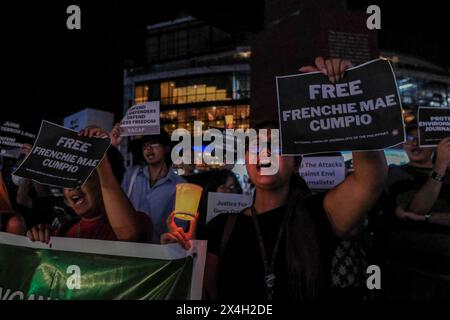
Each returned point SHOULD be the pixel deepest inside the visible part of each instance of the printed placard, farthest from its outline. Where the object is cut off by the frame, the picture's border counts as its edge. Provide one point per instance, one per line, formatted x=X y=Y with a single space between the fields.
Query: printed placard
x=62 y=158
x=434 y=125
x=141 y=119
x=360 y=112
x=323 y=172
x=13 y=135
x=219 y=203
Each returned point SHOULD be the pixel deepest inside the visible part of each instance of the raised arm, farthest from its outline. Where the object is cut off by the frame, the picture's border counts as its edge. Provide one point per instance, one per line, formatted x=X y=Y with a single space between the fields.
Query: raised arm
x=427 y=195
x=348 y=203
x=126 y=223
x=440 y=218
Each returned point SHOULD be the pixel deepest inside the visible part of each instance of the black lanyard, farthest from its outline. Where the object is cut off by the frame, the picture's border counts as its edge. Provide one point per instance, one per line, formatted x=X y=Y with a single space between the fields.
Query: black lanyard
x=269 y=276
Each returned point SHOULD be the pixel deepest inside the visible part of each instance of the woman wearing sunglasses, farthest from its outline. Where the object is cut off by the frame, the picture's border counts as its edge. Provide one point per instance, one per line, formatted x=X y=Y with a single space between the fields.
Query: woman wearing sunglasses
x=281 y=247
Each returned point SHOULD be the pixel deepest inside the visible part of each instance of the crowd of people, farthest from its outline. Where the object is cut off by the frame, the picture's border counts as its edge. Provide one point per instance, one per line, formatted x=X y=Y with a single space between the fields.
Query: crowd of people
x=290 y=244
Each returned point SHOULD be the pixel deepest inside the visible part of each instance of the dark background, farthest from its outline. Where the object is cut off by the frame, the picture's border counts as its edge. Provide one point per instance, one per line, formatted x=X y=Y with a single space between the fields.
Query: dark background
x=50 y=72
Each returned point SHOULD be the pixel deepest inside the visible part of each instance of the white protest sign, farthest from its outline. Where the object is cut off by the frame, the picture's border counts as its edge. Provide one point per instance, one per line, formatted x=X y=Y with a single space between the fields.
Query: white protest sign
x=226 y=203
x=141 y=119
x=323 y=172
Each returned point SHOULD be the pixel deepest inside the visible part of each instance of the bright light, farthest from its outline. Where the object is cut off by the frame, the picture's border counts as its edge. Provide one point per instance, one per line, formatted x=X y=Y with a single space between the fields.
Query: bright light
x=406 y=86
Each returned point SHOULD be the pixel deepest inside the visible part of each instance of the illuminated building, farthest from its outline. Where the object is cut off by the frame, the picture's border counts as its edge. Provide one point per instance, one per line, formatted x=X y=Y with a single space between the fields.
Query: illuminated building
x=421 y=83
x=196 y=71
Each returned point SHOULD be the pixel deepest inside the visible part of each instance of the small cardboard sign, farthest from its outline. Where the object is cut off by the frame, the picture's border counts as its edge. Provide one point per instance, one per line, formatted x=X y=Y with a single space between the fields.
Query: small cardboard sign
x=62 y=158
x=360 y=112
x=434 y=125
x=13 y=136
x=219 y=203
x=141 y=119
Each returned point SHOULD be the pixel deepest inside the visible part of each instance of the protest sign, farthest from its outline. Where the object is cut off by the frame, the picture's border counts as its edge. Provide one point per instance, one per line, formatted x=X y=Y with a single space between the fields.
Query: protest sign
x=219 y=203
x=12 y=136
x=141 y=119
x=360 y=112
x=74 y=269
x=434 y=125
x=62 y=158
x=322 y=172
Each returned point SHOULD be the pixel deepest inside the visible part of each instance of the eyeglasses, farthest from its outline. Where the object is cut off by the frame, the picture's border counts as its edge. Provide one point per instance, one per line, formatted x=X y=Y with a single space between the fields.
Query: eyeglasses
x=258 y=149
x=410 y=138
x=148 y=145
x=231 y=188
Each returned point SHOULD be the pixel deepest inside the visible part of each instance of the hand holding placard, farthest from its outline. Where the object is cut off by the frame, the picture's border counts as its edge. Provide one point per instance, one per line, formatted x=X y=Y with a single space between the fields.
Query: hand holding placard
x=62 y=157
x=141 y=119
x=443 y=156
x=116 y=135
x=356 y=112
x=333 y=68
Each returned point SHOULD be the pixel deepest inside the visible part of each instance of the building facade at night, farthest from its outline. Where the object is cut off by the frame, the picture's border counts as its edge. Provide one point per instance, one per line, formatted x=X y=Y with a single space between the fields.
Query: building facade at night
x=197 y=72
x=420 y=83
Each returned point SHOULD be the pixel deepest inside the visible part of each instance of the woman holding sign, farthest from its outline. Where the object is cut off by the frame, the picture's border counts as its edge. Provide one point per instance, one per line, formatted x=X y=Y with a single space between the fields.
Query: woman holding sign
x=102 y=208
x=282 y=246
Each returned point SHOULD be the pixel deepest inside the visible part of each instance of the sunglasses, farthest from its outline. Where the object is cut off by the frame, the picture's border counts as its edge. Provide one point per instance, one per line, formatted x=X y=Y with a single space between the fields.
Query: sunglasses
x=148 y=145
x=410 y=138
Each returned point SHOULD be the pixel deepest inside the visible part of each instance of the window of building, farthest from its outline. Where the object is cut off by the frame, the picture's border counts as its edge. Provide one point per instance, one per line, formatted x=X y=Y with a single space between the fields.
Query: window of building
x=236 y=117
x=200 y=89
x=141 y=94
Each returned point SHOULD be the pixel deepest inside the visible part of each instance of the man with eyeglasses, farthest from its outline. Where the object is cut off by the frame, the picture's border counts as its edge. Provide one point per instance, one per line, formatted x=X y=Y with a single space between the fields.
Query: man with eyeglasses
x=418 y=200
x=151 y=185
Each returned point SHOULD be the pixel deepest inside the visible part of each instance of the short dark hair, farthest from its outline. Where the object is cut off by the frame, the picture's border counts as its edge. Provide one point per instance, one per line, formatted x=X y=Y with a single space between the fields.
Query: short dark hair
x=163 y=138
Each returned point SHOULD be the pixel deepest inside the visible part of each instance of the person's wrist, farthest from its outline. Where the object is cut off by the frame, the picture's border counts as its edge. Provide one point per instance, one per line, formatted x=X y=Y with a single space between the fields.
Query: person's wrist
x=437 y=176
x=440 y=168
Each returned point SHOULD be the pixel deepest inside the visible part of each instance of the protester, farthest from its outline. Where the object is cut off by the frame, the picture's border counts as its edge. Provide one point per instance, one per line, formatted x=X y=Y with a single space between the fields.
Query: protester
x=287 y=222
x=103 y=210
x=10 y=221
x=38 y=203
x=418 y=201
x=221 y=181
x=151 y=185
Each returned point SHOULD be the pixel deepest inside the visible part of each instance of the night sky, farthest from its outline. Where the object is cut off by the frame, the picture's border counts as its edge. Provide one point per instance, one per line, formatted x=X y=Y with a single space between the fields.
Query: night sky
x=50 y=72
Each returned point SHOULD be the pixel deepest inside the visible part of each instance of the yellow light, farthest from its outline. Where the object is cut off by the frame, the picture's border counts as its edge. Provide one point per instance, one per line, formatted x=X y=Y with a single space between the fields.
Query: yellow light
x=229 y=121
x=187 y=200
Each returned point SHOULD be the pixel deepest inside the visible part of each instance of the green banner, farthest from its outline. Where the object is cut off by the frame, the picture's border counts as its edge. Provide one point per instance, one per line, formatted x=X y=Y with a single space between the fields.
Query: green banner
x=92 y=269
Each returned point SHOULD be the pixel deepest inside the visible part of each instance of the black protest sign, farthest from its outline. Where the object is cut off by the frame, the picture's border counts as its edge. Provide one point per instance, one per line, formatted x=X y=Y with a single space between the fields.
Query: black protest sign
x=360 y=112
x=60 y=157
x=434 y=125
x=12 y=136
